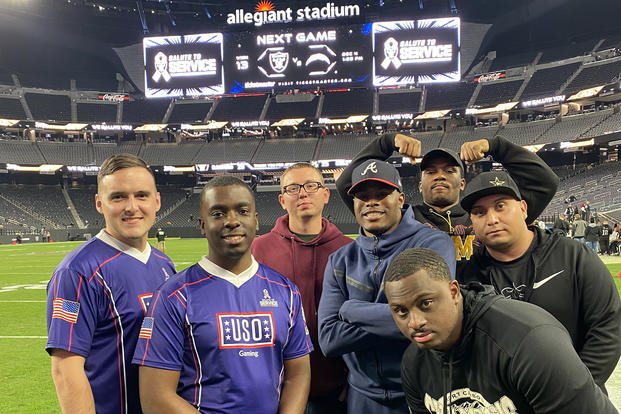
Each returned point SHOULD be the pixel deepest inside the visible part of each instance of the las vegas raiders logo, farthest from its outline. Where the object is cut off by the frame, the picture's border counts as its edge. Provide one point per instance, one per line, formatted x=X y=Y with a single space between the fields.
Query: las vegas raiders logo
x=245 y=330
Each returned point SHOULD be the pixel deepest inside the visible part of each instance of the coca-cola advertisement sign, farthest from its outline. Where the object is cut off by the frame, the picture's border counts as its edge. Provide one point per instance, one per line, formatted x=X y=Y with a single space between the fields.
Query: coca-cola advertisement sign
x=488 y=77
x=113 y=97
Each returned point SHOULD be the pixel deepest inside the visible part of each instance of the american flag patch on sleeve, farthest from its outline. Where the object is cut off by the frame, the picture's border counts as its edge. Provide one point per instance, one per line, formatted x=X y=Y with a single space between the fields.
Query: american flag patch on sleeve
x=146 y=329
x=66 y=310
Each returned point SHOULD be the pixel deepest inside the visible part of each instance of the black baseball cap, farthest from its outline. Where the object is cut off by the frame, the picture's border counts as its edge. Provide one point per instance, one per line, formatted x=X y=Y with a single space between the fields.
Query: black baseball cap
x=375 y=170
x=489 y=183
x=441 y=153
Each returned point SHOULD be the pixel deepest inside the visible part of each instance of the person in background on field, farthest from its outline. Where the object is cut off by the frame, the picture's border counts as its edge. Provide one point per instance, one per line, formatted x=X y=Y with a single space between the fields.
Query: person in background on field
x=298 y=247
x=561 y=225
x=578 y=228
x=603 y=232
x=100 y=292
x=161 y=239
x=474 y=351
x=615 y=239
x=591 y=235
x=226 y=335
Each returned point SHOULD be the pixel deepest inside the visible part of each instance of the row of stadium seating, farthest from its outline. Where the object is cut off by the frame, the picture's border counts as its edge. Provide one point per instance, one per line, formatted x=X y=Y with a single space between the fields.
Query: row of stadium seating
x=28 y=208
x=599 y=184
x=261 y=150
x=511 y=60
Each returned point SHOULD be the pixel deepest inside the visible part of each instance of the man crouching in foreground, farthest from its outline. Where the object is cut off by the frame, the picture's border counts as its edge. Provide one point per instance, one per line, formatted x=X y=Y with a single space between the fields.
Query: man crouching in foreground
x=488 y=350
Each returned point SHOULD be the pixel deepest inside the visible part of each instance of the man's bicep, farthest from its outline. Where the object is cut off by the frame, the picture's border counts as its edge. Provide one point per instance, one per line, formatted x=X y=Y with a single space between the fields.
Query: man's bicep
x=72 y=386
x=297 y=367
x=66 y=361
x=156 y=379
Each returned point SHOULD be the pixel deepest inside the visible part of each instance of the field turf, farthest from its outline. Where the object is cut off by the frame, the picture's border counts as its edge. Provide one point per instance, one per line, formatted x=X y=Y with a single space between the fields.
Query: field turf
x=24 y=365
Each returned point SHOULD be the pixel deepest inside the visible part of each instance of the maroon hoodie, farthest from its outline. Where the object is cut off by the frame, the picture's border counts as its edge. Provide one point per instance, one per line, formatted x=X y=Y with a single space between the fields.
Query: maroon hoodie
x=304 y=263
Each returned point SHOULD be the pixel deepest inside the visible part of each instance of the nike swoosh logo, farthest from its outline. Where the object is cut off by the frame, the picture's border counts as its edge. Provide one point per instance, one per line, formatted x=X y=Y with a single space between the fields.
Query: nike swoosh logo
x=546 y=280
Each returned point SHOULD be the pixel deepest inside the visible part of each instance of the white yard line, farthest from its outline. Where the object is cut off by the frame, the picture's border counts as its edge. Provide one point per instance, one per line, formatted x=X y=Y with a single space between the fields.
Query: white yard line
x=23 y=301
x=22 y=337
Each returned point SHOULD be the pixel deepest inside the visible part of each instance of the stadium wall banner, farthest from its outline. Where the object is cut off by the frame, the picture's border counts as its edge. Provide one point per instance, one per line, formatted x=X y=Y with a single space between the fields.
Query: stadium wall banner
x=610 y=89
x=547 y=101
x=392 y=117
x=111 y=127
x=113 y=97
x=250 y=124
x=488 y=77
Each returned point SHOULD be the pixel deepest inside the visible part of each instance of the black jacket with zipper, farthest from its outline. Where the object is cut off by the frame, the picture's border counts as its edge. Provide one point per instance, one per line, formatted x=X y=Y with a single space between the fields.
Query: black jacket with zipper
x=573 y=284
x=512 y=357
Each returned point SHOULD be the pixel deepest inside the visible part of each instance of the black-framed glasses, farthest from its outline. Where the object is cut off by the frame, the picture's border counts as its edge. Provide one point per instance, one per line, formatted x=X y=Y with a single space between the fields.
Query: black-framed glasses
x=309 y=187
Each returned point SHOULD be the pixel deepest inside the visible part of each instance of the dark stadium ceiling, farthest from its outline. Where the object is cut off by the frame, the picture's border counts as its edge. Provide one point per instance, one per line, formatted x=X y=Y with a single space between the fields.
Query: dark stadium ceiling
x=517 y=25
x=480 y=9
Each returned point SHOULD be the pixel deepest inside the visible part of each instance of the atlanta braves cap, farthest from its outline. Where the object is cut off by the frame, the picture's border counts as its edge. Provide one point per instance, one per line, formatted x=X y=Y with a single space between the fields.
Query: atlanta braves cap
x=489 y=183
x=375 y=170
x=441 y=153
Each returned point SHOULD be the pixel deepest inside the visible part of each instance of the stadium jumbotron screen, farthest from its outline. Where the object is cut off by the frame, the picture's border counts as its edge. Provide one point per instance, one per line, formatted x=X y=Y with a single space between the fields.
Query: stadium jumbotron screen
x=416 y=51
x=183 y=65
x=368 y=55
x=297 y=59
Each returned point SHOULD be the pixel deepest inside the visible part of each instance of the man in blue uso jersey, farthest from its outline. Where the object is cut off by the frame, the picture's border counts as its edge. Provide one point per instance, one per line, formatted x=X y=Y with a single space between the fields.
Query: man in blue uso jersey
x=99 y=294
x=226 y=335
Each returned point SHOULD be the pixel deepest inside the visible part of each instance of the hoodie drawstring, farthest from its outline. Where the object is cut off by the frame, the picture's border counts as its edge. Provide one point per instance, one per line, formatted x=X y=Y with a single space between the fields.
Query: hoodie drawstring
x=292 y=257
x=447 y=387
x=447 y=219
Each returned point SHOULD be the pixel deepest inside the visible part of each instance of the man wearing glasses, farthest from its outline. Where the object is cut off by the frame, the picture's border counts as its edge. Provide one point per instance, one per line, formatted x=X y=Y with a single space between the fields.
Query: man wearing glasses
x=298 y=247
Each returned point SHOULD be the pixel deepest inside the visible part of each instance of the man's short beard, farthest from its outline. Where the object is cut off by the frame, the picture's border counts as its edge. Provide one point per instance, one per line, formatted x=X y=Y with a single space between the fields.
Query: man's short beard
x=441 y=202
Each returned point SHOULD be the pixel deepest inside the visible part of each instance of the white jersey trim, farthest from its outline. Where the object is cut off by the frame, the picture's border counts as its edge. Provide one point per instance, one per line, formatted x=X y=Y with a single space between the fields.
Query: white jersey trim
x=125 y=248
x=237 y=280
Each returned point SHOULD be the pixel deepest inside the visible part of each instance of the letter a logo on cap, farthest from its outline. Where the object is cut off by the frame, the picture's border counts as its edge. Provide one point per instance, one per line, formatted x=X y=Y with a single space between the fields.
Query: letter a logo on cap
x=371 y=167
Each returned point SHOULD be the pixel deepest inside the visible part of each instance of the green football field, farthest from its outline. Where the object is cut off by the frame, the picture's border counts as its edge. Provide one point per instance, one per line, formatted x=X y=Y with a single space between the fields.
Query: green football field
x=24 y=365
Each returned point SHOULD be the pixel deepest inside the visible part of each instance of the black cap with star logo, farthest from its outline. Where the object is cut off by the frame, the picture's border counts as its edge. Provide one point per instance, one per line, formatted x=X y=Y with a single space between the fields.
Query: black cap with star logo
x=489 y=183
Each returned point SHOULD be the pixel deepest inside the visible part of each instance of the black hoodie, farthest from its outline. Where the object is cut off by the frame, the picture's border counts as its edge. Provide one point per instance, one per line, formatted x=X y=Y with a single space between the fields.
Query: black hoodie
x=568 y=280
x=512 y=357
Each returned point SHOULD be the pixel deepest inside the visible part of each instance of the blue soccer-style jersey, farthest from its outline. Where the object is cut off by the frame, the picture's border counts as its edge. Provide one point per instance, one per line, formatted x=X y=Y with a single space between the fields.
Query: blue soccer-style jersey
x=228 y=335
x=97 y=299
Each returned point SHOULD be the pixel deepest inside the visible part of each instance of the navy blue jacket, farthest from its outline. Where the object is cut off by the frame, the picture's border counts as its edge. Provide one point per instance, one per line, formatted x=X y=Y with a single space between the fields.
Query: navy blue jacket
x=354 y=316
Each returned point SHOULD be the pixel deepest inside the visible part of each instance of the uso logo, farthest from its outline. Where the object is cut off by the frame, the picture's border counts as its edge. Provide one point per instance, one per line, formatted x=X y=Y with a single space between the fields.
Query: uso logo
x=245 y=330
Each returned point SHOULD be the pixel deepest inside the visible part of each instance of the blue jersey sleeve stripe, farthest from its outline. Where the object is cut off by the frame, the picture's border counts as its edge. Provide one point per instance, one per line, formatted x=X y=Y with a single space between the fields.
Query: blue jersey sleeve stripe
x=174 y=292
x=157 y=298
x=73 y=325
x=181 y=300
x=102 y=264
x=274 y=282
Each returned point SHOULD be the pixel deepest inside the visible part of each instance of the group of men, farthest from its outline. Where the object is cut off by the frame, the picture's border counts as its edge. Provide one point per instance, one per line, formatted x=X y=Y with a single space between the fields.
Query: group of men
x=303 y=319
